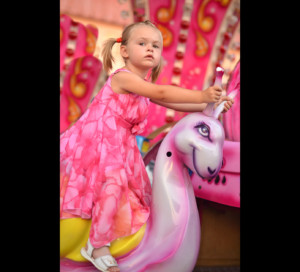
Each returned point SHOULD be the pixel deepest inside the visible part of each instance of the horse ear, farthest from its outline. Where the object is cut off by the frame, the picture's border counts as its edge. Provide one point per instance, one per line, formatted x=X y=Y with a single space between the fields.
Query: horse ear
x=220 y=108
x=209 y=109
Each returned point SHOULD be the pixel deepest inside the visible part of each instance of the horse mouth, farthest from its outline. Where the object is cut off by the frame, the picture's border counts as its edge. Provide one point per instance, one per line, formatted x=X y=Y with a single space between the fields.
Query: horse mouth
x=213 y=173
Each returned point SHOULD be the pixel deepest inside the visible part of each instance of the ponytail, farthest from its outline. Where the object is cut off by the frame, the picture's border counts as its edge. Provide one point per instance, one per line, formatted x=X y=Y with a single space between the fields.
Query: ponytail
x=156 y=71
x=106 y=54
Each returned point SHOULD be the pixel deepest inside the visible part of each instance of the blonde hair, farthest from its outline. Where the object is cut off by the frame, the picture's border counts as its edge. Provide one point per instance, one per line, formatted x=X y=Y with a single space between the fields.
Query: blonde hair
x=108 y=58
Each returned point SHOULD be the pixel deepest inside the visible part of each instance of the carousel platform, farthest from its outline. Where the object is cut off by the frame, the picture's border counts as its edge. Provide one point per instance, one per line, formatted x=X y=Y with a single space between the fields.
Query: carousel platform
x=217 y=269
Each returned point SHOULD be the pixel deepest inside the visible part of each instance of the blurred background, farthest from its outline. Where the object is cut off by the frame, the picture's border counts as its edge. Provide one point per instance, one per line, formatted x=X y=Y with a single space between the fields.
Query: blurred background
x=199 y=35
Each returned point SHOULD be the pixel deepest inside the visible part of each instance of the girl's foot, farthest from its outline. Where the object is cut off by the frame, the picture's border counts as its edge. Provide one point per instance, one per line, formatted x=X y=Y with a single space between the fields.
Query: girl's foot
x=102 y=251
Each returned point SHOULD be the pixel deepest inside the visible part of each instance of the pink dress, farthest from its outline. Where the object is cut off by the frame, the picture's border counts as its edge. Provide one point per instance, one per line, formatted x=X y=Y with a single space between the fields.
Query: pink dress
x=102 y=173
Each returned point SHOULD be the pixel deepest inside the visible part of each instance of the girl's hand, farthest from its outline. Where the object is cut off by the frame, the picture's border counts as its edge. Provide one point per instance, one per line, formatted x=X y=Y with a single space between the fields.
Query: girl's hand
x=212 y=94
x=227 y=105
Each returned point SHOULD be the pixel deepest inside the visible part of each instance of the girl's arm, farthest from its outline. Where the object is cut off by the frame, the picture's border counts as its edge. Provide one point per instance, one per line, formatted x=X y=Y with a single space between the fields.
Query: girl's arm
x=184 y=107
x=191 y=107
x=124 y=82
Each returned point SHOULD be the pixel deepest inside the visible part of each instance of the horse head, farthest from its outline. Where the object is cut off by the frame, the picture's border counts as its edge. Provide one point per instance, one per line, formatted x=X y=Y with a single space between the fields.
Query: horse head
x=199 y=138
x=199 y=142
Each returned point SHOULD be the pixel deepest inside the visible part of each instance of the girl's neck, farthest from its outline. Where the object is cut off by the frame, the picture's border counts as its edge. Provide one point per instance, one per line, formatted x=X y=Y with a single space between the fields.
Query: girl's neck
x=139 y=72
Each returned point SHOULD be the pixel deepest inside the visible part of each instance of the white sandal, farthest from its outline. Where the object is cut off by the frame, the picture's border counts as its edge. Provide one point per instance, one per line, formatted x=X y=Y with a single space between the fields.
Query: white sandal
x=102 y=263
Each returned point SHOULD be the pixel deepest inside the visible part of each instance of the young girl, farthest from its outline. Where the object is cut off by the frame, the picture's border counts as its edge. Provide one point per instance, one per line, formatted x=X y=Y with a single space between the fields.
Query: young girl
x=103 y=176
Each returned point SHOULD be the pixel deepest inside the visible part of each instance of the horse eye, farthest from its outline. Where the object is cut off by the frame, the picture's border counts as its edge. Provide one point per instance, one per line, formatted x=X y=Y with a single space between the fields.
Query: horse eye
x=203 y=129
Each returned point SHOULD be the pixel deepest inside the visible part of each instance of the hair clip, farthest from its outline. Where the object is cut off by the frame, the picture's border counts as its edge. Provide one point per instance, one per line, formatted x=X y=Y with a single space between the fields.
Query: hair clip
x=119 y=40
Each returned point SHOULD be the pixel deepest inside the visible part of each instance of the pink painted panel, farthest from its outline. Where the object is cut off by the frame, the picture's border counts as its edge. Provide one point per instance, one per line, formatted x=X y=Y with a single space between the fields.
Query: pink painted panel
x=65 y=22
x=78 y=86
x=206 y=20
x=84 y=38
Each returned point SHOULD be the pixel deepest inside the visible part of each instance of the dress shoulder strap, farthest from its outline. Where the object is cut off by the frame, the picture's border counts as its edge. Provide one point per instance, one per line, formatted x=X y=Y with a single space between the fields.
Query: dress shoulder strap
x=120 y=70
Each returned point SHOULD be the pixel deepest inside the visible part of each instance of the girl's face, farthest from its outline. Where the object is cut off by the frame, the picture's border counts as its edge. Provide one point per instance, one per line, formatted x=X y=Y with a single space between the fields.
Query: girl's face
x=144 y=47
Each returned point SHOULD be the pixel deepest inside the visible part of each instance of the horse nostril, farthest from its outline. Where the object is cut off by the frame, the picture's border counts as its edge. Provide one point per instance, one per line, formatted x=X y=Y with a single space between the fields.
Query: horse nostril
x=211 y=171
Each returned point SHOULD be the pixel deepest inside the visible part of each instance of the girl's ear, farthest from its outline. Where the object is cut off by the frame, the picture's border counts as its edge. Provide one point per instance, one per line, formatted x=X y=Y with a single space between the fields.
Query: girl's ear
x=123 y=51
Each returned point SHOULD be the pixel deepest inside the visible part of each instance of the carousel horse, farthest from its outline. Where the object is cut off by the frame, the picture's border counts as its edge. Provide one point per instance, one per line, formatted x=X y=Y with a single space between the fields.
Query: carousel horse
x=170 y=239
x=224 y=188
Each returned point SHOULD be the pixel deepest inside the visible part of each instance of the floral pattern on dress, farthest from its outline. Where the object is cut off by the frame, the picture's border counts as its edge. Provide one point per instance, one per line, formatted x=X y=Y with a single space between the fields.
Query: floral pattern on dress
x=102 y=173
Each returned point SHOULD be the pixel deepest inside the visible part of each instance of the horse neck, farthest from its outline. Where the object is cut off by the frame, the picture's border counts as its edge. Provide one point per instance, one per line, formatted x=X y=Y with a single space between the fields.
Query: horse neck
x=169 y=204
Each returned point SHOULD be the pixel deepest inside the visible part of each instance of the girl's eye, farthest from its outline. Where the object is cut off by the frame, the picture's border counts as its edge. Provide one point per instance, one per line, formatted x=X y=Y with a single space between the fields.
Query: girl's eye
x=141 y=43
x=203 y=129
x=155 y=46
